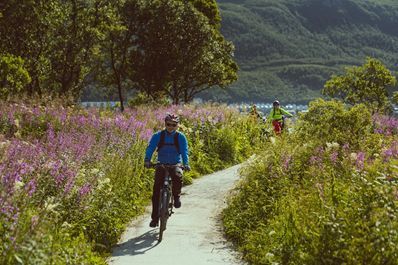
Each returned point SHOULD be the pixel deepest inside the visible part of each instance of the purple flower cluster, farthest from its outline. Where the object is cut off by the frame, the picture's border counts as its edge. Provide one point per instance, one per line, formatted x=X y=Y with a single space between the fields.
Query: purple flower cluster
x=386 y=125
x=32 y=168
x=317 y=158
x=47 y=160
x=391 y=152
x=334 y=157
x=286 y=162
x=193 y=114
x=360 y=161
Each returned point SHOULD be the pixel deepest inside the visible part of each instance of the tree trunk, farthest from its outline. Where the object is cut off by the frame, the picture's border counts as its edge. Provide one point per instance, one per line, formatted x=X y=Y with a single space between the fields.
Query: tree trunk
x=38 y=88
x=117 y=75
x=119 y=88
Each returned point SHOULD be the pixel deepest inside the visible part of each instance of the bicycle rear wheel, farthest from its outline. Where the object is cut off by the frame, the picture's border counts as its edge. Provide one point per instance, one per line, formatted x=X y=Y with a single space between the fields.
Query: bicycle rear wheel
x=164 y=213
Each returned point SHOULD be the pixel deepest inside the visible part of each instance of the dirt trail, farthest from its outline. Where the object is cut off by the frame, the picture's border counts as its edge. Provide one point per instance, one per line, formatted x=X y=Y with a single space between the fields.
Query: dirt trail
x=194 y=232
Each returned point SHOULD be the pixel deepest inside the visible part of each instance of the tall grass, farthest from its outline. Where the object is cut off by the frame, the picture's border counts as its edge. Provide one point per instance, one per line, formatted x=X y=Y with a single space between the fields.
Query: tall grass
x=71 y=179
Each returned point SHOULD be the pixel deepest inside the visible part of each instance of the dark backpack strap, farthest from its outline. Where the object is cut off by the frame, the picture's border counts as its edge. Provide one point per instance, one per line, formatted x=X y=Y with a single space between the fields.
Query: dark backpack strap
x=176 y=143
x=161 y=141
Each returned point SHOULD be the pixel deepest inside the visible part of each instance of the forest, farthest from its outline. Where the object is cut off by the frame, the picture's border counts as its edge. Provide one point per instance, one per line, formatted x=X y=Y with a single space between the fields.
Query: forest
x=106 y=49
x=288 y=49
x=224 y=51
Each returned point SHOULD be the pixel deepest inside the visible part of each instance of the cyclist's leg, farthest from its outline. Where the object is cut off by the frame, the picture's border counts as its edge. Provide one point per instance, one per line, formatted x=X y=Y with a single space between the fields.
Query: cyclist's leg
x=277 y=127
x=176 y=176
x=159 y=174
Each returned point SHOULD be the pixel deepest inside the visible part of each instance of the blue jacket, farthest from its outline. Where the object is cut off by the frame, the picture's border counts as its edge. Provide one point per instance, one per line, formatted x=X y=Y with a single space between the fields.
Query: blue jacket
x=168 y=154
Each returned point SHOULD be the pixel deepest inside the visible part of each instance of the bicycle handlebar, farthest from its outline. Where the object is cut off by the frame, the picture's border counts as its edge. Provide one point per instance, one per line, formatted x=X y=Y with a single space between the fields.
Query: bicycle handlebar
x=154 y=165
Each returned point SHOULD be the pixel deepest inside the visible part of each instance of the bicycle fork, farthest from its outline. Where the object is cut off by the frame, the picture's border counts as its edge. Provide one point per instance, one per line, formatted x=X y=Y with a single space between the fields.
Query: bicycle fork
x=168 y=193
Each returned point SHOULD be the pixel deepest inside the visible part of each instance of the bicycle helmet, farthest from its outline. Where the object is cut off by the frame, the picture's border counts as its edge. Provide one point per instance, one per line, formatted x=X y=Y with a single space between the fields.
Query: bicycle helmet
x=172 y=117
x=275 y=103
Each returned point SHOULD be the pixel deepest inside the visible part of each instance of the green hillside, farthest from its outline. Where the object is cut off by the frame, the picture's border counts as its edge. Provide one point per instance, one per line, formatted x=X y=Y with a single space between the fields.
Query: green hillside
x=289 y=48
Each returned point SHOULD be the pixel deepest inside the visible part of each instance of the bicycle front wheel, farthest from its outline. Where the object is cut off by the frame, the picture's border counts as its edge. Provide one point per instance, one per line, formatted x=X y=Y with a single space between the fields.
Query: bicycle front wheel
x=164 y=213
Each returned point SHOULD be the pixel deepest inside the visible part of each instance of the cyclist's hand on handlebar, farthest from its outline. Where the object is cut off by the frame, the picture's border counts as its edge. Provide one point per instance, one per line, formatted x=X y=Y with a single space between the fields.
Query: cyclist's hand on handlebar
x=147 y=164
x=187 y=168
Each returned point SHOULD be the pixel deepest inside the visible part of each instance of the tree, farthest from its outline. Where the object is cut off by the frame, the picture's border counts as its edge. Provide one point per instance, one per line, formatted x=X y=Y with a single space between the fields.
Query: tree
x=25 y=31
x=115 y=49
x=176 y=51
x=81 y=27
x=215 y=68
x=364 y=84
x=58 y=40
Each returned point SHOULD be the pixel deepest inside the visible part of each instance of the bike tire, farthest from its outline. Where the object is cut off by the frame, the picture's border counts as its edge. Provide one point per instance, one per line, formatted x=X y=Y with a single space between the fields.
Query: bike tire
x=164 y=213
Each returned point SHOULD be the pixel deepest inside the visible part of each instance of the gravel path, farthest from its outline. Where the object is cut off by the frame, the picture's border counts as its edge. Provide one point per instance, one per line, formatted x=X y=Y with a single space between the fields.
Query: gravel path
x=194 y=232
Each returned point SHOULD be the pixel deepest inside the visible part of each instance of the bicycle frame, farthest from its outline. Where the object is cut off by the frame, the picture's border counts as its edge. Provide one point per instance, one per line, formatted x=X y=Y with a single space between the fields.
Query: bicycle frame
x=165 y=200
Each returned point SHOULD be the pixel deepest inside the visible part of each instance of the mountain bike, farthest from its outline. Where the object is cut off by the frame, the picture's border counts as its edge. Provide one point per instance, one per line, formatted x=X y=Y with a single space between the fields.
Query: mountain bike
x=166 y=200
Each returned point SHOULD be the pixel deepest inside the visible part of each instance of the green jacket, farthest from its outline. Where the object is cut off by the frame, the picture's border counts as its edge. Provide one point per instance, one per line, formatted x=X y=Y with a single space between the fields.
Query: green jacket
x=278 y=114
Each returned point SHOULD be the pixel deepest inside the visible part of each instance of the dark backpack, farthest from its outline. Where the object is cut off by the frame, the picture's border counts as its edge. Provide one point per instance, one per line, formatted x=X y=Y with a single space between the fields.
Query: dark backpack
x=162 y=141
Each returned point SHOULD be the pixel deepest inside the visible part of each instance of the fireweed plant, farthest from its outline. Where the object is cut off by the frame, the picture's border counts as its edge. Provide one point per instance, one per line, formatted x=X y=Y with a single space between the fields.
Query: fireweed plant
x=71 y=179
x=325 y=194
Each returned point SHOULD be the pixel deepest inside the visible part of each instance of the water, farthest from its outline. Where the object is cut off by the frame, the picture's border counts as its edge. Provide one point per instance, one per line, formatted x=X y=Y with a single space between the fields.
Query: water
x=243 y=107
x=266 y=107
x=98 y=104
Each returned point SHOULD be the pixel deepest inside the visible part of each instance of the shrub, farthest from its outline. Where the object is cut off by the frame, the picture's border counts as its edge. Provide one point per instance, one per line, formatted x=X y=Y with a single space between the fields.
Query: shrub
x=319 y=198
x=13 y=75
x=367 y=84
x=331 y=121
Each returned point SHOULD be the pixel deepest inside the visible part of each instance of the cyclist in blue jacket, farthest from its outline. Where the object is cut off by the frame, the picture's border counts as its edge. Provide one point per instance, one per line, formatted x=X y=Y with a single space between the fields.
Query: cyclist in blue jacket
x=172 y=148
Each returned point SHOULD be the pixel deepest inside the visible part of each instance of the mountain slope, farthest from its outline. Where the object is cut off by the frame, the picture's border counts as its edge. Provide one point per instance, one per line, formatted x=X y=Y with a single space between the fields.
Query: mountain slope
x=289 y=48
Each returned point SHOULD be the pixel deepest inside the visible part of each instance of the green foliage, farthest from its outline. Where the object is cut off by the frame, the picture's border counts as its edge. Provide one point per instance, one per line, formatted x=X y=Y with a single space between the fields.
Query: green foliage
x=20 y=36
x=395 y=98
x=321 y=36
x=13 y=75
x=58 y=40
x=177 y=53
x=79 y=31
x=56 y=246
x=142 y=99
x=325 y=194
x=71 y=45
x=330 y=121
x=210 y=9
x=112 y=72
x=124 y=191
x=235 y=140
x=367 y=84
x=109 y=184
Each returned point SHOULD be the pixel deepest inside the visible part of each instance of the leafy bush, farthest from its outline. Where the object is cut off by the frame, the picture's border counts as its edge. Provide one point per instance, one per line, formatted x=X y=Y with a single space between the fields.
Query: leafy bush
x=13 y=75
x=367 y=84
x=321 y=198
x=331 y=121
x=143 y=99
